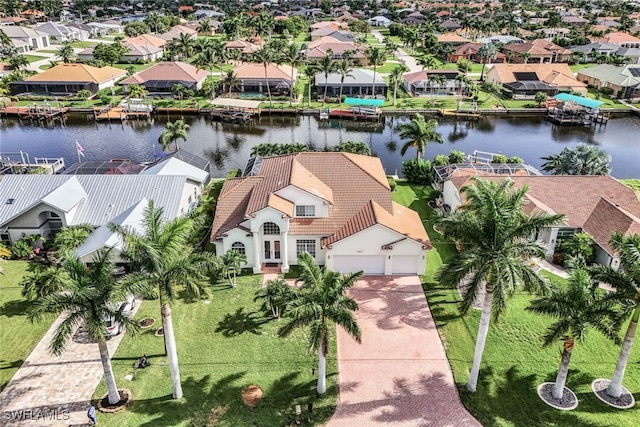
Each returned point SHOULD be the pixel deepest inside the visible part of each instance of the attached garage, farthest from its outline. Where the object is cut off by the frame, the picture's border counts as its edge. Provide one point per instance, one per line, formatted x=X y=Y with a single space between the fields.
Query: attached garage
x=405 y=264
x=370 y=264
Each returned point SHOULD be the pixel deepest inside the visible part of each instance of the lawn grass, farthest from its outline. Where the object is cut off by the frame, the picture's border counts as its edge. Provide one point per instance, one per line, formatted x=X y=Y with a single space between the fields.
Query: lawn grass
x=223 y=347
x=34 y=58
x=82 y=44
x=18 y=336
x=137 y=67
x=46 y=51
x=514 y=361
x=634 y=184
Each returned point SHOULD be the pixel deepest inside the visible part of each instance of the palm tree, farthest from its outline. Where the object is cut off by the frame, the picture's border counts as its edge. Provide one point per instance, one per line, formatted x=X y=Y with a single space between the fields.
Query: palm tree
x=583 y=159
x=207 y=59
x=578 y=308
x=204 y=27
x=420 y=133
x=265 y=56
x=231 y=263
x=161 y=259
x=427 y=61
x=486 y=53
x=355 y=147
x=494 y=232
x=184 y=45
x=136 y=91
x=395 y=78
x=276 y=295
x=45 y=281
x=437 y=80
x=66 y=53
x=321 y=300
x=295 y=58
x=525 y=57
x=626 y=282
x=344 y=69
x=172 y=133
x=310 y=72
x=88 y=299
x=375 y=57
x=230 y=81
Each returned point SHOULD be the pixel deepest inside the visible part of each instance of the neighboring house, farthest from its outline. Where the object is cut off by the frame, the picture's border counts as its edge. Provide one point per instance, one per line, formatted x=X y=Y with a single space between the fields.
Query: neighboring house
x=35 y=39
x=623 y=82
x=278 y=77
x=105 y=28
x=618 y=38
x=337 y=207
x=500 y=39
x=43 y=204
x=175 y=32
x=161 y=77
x=69 y=79
x=538 y=51
x=419 y=84
x=62 y=33
x=333 y=24
x=469 y=51
x=450 y=25
x=91 y=31
x=359 y=83
x=379 y=21
x=146 y=39
x=632 y=53
x=337 y=49
x=242 y=46
x=452 y=39
x=599 y=205
x=414 y=18
x=340 y=35
x=525 y=80
x=134 y=53
x=592 y=51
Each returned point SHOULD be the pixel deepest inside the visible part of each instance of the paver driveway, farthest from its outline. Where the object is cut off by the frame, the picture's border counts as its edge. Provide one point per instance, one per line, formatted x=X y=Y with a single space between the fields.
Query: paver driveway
x=399 y=375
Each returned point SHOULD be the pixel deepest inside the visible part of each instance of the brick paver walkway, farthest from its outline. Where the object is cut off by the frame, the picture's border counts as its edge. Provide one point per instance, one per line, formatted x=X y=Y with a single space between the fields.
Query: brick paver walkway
x=55 y=391
x=399 y=375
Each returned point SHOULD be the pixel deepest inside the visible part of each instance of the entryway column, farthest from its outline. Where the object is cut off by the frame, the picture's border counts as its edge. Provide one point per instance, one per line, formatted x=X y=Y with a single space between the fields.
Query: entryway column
x=257 y=265
x=285 y=252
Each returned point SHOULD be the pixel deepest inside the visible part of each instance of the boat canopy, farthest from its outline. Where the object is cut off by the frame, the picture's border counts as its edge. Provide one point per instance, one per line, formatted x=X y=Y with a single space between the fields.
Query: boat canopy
x=364 y=102
x=580 y=100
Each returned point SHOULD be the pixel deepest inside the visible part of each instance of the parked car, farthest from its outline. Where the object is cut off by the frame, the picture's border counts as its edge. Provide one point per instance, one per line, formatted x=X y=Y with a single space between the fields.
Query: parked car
x=113 y=326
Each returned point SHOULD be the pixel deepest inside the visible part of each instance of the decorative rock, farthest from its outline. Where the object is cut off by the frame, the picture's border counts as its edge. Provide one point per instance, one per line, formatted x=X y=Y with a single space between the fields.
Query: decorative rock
x=625 y=401
x=568 y=402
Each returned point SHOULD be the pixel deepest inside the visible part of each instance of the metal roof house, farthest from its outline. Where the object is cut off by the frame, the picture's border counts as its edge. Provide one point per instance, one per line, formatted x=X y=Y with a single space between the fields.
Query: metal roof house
x=43 y=204
x=359 y=82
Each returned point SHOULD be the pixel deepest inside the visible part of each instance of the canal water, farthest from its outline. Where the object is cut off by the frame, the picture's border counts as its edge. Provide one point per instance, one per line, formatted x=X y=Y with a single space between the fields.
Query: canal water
x=229 y=145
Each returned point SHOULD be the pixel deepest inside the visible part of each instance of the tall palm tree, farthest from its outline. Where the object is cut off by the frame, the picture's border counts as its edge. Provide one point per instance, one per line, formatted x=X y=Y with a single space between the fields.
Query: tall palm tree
x=626 y=282
x=375 y=57
x=207 y=59
x=486 y=53
x=494 y=232
x=66 y=53
x=321 y=300
x=230 y=81
x=437 y=80
x=326 y=66
x=88 y=299
x=184 y=45
x=265 y=56
x=172 y=133
x=525 y=57
x=582 y=159
x=292 y=56
x=161 y=260
x=395 y=77
x=427 y=61
x=420 y=133
x=579 y=307
x=179 y=90
x=204 y=27
x=310 y=73
x=344 y=69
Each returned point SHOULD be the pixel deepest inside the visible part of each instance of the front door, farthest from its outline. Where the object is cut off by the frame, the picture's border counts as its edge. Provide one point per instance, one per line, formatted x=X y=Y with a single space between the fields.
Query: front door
x=272 y=250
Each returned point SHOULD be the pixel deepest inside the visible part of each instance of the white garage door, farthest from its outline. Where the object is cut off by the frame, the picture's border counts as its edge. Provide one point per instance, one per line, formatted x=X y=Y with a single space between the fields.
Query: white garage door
x=370 y=264
x=405 y=264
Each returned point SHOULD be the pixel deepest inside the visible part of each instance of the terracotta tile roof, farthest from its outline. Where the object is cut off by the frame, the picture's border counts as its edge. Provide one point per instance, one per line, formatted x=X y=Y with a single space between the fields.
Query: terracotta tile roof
x=242 y=45
x=548 y=73
x=537 y=47
x=231 y=204
x=338 y=48
x=175 y=70
x=302 y=178
x=78 y=73
x=423 y=75
x=451 y=38
x=607 y=217
x=254 y=71
x=617 y=38
x=145 y=39
x=281 y=205
x=323 y=40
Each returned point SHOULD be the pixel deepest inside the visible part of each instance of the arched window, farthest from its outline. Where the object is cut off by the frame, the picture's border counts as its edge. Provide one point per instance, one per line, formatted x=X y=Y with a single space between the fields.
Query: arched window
x=269 y=228
x=238 y=246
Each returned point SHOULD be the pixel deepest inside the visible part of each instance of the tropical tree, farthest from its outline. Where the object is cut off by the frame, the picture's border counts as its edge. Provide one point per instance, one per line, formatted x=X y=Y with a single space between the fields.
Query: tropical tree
x=321 y=300
x=230 y=81
x=69 y=238
x=136 y=91
x=541 y=98
x=44 y=281
x=427 y=61
x=420 y=133
x=292 y=56
x=18 y=62
x=66 y=53
x=626 y=282
x=344 y=69
x=172 y=133
x=354 y=147
x=180 y=91
x=184 y=45
x=276 y=295
x=88 y=299
x=579 y=307
x=231 y=264
x=494 y=233
x=161 y=260
x=395 y=78
x=204 y=27
x=375 y=57
x=265 y=56
x=583 y=159
x=310 y=73
x=486 y=53
x=437 y=81
x=325 y=65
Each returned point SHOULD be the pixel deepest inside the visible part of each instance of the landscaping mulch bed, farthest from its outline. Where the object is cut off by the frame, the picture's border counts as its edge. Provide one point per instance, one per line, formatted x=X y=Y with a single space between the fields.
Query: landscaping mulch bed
x=625 y=401
x=568 y=401
x=159 y=332
x=251 y=395
x=147 y=322
x=125 y=399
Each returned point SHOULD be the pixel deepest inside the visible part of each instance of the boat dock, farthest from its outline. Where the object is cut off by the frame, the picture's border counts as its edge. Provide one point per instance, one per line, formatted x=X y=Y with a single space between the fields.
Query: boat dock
x=35 y=111
x=561 y=117
x=231 y=115
x=356 y=113
x=20 y=163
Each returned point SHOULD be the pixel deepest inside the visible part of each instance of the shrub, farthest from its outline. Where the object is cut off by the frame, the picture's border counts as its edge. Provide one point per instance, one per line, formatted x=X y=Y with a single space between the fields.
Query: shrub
x=21 y=249
x=578 y=248
x=456 y=156
x=499 y=158
x=392 y=183
x=418 y=171
x=515 y=160
x=440 y=160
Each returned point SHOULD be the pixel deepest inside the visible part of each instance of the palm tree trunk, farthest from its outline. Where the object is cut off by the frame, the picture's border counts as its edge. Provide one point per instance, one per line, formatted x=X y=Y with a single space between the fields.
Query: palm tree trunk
x=615 y=388
x=266 y=81
x=321 y=387
x=309 y=98
x=326 y=78
x=340 y=98
x=395 y=91
x=561 y=378
x=112 y=389
x=481 y=339
x=291 y=88
x=172 y=354
x=213 y=84
x=373 y=84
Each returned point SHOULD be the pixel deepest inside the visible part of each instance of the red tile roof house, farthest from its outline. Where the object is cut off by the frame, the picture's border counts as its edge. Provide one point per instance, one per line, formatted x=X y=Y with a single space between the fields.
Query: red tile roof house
x=162 y=76
x=539 y=51
x=252 y=78
x=135 y=53
x=335 y=206
x=319 y=48
x=598 y=205
x=469 y=51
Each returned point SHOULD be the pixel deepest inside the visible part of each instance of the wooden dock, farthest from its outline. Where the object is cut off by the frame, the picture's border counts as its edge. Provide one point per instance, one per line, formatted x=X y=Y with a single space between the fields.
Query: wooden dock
x=120 y=114
x=466 y=115
x=39 y=112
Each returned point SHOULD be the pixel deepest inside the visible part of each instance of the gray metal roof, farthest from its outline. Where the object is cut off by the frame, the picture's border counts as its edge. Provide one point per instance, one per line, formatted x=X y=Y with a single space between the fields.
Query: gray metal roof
x=360 y=77
x=106 y=195
x=613 y=74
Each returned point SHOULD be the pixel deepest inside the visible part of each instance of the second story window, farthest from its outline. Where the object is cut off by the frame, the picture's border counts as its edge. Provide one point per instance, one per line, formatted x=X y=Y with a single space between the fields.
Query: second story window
x=305 y=210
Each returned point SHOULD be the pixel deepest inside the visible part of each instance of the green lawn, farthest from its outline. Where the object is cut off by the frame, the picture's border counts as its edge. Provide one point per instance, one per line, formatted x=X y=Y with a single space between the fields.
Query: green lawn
x=514 y=362
x=223 y=347
x=634 y=184
x=34 y=58
x=47 y=51
x=18 y=336
x=82 y=44
x=137 y=67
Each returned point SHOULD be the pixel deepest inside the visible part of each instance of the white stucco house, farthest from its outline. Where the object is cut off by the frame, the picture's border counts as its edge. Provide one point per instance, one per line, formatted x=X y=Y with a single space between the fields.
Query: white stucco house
x=598 y=205
x=43 y=204
x=379 y=21
x=335 y=206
